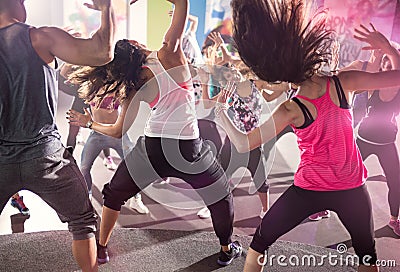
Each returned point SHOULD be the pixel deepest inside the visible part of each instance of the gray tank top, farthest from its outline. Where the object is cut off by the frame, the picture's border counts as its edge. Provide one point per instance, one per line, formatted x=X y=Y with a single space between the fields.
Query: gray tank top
x=28 y=99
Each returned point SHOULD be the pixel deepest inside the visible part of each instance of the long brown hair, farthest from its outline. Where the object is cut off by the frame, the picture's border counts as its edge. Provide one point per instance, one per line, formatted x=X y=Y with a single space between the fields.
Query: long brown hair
x=274 y=40
x=116 y=78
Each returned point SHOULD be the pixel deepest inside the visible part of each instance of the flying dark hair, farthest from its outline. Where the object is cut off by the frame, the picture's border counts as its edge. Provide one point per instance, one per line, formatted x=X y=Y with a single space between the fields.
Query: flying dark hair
x=118 y=77
x=274 y=40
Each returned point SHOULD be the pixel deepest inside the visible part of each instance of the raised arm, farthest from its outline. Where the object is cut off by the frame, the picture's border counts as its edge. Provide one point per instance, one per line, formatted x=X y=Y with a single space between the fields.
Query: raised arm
x=52 y=42
x=372 y=65
x=193 y=23
x=173 y=36
x=219 y=43
x=359 y=80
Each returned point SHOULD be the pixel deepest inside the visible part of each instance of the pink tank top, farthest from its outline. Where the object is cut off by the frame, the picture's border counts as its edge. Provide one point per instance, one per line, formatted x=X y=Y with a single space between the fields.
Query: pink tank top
x=329 y=157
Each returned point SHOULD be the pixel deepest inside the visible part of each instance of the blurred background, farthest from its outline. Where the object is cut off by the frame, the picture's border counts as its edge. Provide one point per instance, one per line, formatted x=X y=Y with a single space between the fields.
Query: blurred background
x=146 y=20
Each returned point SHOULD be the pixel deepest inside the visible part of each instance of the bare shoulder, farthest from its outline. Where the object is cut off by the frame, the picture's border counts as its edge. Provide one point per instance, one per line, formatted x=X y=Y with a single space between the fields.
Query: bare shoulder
x=289 y=111
x=42 y=42
x=348 y=79
x=170 y=58
x=47 y=36
x=43 y=34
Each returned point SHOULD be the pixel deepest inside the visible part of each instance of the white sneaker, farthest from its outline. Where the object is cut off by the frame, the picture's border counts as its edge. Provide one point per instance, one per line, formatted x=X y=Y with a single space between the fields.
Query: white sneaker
x=137 y=204
x=204 y=213
x=109 y=163
x=262 y=213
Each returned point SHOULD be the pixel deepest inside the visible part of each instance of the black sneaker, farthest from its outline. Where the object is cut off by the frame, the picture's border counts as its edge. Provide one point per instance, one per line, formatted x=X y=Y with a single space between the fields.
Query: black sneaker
x=19 y=204
x=225 y=258
x=102 y=254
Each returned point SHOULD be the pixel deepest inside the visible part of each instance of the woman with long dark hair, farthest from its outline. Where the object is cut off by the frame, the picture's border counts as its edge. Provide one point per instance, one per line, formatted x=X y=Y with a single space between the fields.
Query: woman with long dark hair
x=377 y=133
x=277 y=42
x=171 y=146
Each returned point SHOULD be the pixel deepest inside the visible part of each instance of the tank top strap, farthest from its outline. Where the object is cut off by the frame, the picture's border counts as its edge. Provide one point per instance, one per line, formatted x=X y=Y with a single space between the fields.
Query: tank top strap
x=304 y=98
x=340 y=93
x=308 y=118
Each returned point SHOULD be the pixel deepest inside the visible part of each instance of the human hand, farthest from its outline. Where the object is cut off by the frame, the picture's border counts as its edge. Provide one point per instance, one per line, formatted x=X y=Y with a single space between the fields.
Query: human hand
x=226 y=92
x=375 y=39
x=216 y=38
x=78 y=119
x=223 y=97
x=99 y=4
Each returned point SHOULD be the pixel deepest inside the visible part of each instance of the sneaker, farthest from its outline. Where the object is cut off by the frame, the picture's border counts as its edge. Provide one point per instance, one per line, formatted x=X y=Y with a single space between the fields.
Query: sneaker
x=102 y=254
x=204 y=213
x=137 y=204
x=226 y=257
x=109 y=163
x=325 y=214
x=395 y=226
x=19 y=204
x=262 y=213
x=319 y=215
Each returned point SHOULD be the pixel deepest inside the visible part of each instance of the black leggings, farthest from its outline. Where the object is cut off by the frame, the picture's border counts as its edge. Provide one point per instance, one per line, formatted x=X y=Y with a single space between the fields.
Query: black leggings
x=189 y=160
x=230 y=159
x=353 y=208
x=389 y=160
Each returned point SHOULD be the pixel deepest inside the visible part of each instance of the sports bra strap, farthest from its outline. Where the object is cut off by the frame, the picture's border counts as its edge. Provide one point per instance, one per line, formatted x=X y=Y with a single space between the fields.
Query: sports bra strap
x=342 y=97
x=308 y=118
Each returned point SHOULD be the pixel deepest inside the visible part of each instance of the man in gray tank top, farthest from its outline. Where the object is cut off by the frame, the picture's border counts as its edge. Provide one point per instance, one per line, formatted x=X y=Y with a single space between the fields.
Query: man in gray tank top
x=31 y=154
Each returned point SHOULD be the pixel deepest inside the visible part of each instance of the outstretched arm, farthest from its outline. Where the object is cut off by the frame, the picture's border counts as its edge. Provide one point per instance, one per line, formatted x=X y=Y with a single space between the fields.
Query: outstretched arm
x=219 y=43
x=372 y=65
x=285 y=114
x=129 y=111
x=359 y=80
x=53 y=42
